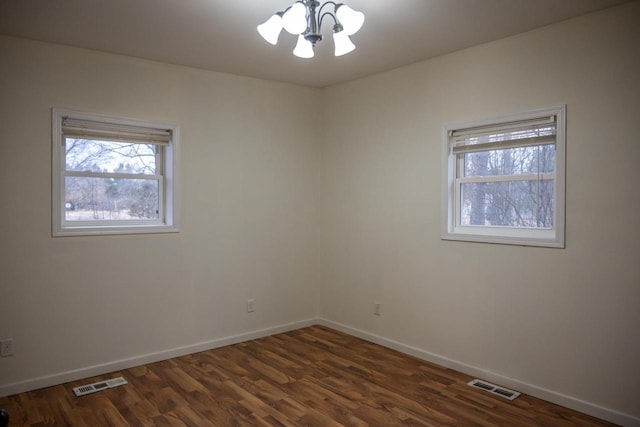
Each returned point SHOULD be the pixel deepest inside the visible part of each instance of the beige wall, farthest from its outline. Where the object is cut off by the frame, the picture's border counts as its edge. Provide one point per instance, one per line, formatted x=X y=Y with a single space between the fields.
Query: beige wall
x=565 y=320
x=249 y=213
x=337 y=213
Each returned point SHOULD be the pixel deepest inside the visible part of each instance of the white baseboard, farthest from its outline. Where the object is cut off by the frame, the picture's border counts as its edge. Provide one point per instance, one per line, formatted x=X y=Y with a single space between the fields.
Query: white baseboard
x=91 y=371
x=530 y=389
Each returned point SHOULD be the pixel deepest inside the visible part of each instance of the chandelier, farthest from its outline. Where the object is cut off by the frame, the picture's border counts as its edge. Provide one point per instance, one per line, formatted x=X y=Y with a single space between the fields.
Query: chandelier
x=305 y=18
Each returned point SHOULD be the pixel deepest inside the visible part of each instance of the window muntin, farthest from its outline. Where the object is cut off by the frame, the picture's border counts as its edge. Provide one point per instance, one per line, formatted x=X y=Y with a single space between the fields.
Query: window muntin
x=112 y=175
x=504 y=180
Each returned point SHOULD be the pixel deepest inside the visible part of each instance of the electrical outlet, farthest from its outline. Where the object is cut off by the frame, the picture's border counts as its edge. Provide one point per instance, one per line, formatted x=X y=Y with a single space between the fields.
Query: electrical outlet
x=376 y=309
x=251 y=305
x=6 y=347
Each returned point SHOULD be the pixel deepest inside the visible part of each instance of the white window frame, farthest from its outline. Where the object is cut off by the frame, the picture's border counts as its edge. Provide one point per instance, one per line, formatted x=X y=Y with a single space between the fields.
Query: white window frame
x=168 y=178
x=451 y=164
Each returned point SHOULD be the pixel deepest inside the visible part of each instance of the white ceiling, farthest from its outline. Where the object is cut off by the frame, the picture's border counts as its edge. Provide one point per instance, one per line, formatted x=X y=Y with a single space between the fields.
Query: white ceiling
x=221 y=35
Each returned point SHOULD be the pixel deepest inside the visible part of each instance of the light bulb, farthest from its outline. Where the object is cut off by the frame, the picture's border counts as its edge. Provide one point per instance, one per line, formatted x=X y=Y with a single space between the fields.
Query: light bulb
x=304 y=48
x=295 y=19
x=342 y=43
x=350 y=19
x=270 y=30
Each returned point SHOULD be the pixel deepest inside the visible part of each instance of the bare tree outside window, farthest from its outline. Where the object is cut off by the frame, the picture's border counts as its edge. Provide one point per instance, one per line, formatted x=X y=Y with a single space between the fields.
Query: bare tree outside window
x=509 y=202
x=120 y=184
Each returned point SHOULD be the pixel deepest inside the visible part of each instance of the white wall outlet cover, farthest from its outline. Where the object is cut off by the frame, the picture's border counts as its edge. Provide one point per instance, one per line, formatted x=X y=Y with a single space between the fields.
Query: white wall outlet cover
x=6 y=347
x=376 y=309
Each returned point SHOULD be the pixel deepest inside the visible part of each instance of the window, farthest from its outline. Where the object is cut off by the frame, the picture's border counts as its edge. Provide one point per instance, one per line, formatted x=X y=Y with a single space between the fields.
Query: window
x=113 y=175
x=503 y=179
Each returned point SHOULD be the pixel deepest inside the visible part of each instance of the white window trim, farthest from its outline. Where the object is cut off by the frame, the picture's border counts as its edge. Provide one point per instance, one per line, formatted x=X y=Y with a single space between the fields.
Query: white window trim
x=169 y=188
x=450 y=230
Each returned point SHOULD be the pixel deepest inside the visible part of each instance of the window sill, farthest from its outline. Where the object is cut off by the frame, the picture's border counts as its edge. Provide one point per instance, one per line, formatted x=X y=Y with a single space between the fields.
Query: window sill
x=547 y=242
x=114 y=230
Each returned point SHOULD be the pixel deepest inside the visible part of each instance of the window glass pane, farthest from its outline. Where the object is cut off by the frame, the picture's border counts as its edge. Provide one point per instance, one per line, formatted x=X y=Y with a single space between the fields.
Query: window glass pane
x=524 y=204
x=511 y=161
x=110 y=156
x=108 y=199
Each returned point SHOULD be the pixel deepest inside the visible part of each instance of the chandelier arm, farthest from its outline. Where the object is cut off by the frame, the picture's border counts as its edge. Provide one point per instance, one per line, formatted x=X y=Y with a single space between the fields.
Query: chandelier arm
x=326 y=3
x=335 y=20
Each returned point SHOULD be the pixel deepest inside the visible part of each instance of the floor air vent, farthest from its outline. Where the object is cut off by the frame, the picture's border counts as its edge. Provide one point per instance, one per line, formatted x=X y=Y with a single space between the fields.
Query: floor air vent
x=494 y=389
x=102 y=385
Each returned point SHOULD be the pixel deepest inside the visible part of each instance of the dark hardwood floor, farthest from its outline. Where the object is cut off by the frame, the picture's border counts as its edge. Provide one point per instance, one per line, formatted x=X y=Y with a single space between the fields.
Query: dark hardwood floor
x=309 y=377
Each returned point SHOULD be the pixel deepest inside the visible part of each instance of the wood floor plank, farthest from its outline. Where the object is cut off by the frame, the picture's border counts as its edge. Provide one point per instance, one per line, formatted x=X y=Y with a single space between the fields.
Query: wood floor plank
x=309 y=377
